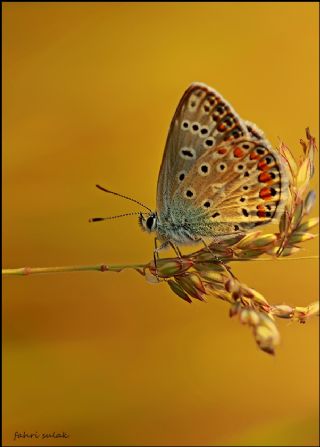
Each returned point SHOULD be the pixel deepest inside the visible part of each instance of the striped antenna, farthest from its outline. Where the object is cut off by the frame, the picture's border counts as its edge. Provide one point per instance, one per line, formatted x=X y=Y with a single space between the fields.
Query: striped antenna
x=99 y=219
x=124 y=197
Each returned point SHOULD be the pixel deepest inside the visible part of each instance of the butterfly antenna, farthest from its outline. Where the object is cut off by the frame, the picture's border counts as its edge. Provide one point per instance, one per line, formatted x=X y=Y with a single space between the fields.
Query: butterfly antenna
x=124 y=197
x=98 y=219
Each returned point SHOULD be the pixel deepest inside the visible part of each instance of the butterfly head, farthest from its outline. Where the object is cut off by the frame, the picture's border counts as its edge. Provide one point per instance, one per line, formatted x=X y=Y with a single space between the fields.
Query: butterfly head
x=148 y=222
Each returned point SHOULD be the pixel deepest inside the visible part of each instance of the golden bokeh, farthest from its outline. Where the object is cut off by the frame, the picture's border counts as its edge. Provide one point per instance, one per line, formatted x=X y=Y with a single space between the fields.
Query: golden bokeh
x=89 y=90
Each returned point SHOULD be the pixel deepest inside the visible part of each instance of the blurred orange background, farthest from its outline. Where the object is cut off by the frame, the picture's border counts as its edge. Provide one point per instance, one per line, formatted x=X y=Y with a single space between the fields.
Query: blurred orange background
x=89 y=90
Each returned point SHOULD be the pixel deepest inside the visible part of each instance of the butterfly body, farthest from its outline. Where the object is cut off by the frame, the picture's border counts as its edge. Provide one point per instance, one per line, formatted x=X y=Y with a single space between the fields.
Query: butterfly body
x=219 y=175
x=182 y=223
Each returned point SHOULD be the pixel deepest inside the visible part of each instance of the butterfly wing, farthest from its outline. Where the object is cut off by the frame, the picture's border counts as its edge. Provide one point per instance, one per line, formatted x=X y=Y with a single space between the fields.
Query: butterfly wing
x=202 y=120
x=240 y=183
x=255 y=133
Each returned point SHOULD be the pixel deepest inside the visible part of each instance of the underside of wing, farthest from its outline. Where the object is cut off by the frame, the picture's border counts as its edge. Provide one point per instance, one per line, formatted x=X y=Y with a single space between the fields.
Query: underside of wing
x=240 y=183
x=202 y=121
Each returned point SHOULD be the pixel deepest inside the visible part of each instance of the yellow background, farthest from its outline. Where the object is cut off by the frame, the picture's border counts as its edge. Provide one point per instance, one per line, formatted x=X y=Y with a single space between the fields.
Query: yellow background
x=89 y=92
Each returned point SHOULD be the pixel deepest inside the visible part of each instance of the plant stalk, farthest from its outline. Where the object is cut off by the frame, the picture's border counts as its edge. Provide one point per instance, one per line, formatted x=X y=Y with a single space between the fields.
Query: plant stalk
x=24 y=271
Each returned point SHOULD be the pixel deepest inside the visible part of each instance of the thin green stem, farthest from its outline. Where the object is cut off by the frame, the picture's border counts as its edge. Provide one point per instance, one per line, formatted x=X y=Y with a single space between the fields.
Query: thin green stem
x=73 y=268
x=25 y=271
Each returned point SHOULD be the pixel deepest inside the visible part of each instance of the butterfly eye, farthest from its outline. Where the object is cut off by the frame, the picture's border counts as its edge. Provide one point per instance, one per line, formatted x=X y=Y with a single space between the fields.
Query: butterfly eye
x=204 y=169
x=149 y=222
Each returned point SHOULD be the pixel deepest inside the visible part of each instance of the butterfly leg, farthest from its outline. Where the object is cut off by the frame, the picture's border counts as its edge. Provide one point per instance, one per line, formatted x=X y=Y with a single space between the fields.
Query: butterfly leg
x=156 y=250
x=220 y=261
x=156 y=254
x=176 y=249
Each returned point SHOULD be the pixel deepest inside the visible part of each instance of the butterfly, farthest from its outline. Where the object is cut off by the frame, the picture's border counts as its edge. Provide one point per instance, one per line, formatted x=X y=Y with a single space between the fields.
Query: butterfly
x=219 y=176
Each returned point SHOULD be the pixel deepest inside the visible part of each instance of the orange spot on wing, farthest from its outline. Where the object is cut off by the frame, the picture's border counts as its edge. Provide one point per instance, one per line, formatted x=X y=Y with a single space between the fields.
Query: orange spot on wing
x=222 y=127
x=222 y=151
x=265 y=193
x=238 y=152
x=261 y=211
x=263 y=166
x=254 y=155
x=264 y=177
